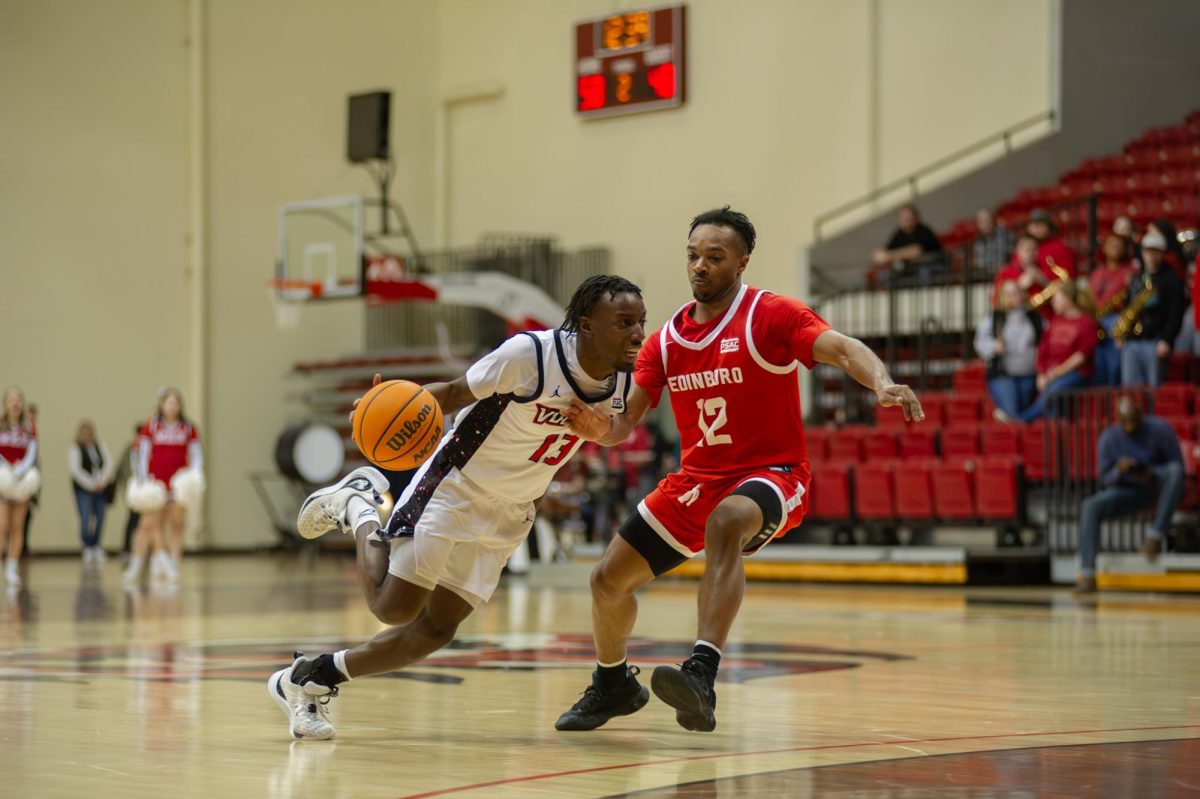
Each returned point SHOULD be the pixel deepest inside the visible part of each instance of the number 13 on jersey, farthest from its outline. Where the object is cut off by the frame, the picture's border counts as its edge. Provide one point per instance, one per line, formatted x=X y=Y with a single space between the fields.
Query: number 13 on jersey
x=712 y=418
x=550 y=455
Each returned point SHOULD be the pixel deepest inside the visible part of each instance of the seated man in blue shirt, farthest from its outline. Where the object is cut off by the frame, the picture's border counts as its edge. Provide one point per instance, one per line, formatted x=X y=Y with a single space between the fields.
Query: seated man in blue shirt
x=1140 y=466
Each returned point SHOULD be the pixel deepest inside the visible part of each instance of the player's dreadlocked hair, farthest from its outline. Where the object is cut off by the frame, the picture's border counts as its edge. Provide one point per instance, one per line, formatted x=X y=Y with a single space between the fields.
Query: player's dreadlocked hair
x=591 y=291
x=723 y=217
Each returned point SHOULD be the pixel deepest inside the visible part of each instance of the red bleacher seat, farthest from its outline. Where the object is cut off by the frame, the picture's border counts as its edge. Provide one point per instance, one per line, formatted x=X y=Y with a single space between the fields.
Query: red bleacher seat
x=880 y=444
x=874 y=493
x=1191 y=455
x=954 y=491
x=1184 y=426
x=963 y=410
x=913 y=483
x=890 y=418
x=845 y=445
x=1173 y=399
x=934 y=406
x=817 y=440
x=960 y=441
x=996 y=489
x=970 y=379
x=1003 y=439
x=918 y=442
x=1033 y=451
x=831 y=491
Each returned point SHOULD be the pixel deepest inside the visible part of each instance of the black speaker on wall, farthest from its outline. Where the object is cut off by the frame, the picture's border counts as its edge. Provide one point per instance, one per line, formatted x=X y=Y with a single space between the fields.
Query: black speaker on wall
x=367 y=121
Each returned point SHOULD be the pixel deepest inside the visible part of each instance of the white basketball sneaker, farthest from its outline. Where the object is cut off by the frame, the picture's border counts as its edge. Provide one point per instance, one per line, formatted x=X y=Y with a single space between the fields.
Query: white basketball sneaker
x=306 y=706
x=325 y=508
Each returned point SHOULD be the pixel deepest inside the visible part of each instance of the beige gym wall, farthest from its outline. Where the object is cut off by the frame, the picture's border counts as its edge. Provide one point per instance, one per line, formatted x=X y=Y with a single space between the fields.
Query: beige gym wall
x=96 y=211
x=93 y=224
x=96 y=189
x=777 y=120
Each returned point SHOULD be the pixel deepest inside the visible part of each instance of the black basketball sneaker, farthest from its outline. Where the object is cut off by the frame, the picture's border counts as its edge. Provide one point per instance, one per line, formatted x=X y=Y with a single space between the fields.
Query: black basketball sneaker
x=597 y=706
x=688 y=689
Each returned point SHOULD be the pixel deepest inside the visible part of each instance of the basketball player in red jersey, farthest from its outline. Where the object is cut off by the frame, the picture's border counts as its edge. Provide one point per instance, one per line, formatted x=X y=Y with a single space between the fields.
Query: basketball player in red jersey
x=729 y=360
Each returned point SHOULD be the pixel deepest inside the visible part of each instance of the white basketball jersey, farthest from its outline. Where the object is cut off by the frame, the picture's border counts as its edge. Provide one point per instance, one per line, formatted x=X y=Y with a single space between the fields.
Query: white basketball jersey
x=511 y=445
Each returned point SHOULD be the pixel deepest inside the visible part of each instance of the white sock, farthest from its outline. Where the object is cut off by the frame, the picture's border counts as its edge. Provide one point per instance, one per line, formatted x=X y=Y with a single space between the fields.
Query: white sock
x=339 y=660
x=359 y=512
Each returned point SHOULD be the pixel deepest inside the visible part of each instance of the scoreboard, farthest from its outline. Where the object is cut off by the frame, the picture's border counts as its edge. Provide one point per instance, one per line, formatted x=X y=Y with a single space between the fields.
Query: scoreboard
x=629 y=62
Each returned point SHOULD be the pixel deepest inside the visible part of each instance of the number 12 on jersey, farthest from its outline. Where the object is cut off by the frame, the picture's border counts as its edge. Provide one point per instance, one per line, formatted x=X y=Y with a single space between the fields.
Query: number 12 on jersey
x=552 y=457
x=713 y=407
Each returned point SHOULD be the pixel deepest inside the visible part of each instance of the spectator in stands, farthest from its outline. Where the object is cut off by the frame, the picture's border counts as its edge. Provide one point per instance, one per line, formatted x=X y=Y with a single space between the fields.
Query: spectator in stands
x=1024 y=270
x=1108 y=287
x=1064 y=358
x=1173 y=256
x=993 y=243
x=1053 y=252
x=1158 y=293
x=1140 y=466
x=1195 y=315
x=1007 y=338
x=911 y=240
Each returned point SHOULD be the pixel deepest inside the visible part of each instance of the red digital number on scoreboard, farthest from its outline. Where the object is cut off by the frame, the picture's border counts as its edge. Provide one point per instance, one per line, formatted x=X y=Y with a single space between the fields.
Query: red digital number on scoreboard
x=629 y=62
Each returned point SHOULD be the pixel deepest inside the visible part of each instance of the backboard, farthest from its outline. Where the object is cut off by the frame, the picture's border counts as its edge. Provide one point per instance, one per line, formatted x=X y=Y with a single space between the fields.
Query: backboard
x=320 y=249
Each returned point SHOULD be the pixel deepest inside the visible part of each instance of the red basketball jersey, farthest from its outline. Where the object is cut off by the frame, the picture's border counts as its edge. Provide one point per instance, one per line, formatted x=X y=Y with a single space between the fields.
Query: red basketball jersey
x=733 y=383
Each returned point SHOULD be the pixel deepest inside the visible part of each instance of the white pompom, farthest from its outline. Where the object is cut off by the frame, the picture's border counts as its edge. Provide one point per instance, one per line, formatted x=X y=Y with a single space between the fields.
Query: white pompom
x=24 y=489
x=145 y=496
x=8 y=479
x=188 y=487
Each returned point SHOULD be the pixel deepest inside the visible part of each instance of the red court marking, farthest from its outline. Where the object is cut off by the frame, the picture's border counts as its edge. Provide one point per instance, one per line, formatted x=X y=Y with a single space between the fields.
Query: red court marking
x=897 y=742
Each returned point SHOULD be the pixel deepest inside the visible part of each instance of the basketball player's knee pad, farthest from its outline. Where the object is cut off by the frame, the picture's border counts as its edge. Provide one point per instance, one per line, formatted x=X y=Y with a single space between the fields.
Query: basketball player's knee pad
x=767 y=499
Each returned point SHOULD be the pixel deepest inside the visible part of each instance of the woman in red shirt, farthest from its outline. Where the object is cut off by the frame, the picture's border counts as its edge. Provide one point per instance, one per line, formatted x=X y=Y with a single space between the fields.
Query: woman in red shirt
x=1109 y=287
x=19 y=477
x=168 y=446
x=1064 y=359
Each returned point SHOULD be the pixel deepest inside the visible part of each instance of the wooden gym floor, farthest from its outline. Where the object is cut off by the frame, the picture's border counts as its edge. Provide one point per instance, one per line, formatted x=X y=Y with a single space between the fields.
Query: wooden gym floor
x=829 y=691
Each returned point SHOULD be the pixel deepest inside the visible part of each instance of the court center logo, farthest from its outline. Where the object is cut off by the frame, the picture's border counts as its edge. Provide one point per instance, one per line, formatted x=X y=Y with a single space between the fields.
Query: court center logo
x=511 y=652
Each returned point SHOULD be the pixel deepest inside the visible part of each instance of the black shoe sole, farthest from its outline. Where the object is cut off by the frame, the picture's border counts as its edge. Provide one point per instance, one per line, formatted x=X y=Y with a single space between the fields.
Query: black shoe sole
x=691 y=710
x=632 y=706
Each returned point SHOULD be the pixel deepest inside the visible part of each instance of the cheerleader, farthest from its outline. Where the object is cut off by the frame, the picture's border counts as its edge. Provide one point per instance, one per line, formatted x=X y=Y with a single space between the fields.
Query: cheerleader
x=166 y=481
x=19 y=477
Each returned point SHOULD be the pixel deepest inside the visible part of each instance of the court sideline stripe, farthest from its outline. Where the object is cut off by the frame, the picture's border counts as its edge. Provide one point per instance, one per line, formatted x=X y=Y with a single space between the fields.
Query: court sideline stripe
x=898 y=742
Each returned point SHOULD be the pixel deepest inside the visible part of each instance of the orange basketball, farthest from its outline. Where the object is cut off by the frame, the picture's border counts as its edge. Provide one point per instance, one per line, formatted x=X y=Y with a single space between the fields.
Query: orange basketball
x=397 y=425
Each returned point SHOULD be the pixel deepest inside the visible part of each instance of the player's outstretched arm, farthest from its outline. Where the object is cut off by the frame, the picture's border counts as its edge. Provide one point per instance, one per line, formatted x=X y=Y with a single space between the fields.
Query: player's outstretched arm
x=858 y=361
x=608 y=431
x=452 y=396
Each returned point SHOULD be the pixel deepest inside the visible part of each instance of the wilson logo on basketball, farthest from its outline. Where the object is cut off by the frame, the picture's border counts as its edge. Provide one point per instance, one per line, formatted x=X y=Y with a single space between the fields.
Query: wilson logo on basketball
x=550 y=416
x=410 y=428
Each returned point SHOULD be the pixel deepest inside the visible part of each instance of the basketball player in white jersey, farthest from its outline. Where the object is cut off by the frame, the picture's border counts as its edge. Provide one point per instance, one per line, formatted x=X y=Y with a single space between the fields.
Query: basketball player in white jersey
x=471 y=504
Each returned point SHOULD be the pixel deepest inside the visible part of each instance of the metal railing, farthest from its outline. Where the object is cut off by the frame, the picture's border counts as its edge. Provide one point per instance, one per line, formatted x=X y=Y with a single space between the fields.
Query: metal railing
x=922 y=319
x=912 y=180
